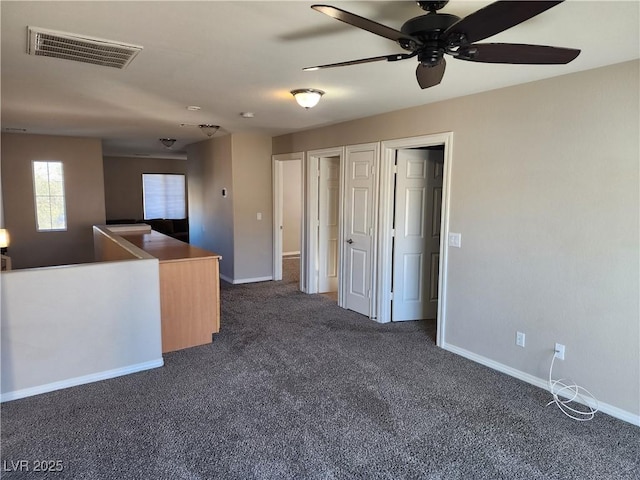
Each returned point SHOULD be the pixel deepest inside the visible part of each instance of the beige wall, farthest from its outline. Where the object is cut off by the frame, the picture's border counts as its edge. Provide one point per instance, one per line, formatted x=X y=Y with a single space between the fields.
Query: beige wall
x=195 y=192
x=545 y=193
x=90 y=322
x=252 y=185
x=210 y=171
x=241 y=164
x=84 y=189
x=291 y=205
x=123 y=183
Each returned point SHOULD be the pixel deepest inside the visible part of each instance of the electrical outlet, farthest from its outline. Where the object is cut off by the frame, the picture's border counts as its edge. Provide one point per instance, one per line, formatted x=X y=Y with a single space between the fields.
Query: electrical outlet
x=559 y=351
x=520 y=339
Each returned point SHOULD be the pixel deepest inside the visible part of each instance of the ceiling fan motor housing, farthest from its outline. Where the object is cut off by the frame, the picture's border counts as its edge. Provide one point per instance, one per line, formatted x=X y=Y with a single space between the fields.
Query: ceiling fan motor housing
x=428 y=28
x=432 y=6
x=428 y=25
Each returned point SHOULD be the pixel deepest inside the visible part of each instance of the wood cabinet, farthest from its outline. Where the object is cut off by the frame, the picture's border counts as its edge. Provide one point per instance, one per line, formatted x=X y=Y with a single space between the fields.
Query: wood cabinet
x=189 y=289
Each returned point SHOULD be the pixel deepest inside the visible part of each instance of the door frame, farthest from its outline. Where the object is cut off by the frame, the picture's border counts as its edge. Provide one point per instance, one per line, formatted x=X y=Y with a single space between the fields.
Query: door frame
x=385 y=234
x=311 y=173
x=278 y=190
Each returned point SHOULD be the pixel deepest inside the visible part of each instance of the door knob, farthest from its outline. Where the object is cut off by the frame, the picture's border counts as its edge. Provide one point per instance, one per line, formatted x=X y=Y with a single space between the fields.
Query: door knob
x=349 y=241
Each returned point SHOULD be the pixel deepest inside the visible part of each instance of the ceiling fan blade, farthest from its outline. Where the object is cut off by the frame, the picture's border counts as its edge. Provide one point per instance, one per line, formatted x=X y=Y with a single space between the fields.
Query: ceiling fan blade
x=430 y=76
x=388 y=58
x=495 y=18
x=368 y=25
x=516 y=53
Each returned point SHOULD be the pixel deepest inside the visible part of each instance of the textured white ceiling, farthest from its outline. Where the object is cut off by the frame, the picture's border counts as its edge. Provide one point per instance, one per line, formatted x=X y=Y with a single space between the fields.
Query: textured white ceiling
x=230 y=57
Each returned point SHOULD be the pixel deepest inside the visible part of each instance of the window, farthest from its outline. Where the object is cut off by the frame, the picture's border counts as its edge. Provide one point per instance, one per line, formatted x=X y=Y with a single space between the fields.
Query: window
x=163 y=195
x=48 y=188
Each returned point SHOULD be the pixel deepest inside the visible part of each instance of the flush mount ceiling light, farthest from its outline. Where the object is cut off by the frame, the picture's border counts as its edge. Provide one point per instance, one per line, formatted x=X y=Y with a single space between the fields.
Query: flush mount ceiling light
x=167 y=142
x=307 y=97
x=208 y=130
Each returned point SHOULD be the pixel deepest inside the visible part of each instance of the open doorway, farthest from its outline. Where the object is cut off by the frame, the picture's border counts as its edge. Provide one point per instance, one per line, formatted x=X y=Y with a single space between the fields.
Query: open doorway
x=416 y=226
x=414 y=219
x=288 y=218
x=291 y=220
x=322 y=225
x=328 y=226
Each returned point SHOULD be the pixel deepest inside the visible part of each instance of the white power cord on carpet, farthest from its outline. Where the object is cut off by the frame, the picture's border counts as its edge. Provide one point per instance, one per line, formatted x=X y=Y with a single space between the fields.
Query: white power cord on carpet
x=571 y=392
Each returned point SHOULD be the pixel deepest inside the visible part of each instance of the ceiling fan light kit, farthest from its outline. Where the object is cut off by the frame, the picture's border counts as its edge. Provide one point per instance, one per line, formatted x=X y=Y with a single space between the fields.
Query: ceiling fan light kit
x=429 y=37
x=167 y=142
x=307 y=97
x=208 y=129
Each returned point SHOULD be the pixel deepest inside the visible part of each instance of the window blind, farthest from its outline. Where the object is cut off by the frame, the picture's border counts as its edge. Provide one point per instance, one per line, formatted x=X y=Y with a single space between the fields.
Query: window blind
x=163 y=195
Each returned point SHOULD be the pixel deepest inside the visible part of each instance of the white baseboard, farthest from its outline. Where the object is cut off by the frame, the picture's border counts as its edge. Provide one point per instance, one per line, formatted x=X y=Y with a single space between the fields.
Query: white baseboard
x=615 y=412
x=238 y=281
x=73 y=382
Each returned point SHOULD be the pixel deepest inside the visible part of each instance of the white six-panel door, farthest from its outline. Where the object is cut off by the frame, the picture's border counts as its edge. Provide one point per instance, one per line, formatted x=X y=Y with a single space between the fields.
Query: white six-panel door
x=359 y=220
x=328 y=223
x=418 y=197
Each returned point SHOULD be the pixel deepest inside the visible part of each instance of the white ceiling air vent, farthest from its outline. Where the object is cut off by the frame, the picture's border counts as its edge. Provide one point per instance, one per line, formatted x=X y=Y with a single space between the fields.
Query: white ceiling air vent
x=80 y=48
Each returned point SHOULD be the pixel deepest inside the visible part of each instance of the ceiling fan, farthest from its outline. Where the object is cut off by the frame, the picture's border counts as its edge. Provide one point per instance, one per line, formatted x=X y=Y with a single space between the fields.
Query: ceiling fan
x=430 y=36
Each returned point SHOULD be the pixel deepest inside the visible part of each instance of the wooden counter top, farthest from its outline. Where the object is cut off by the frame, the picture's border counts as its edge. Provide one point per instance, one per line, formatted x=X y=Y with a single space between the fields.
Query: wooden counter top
x=189 y=288
x=189 y=280
x=166 y=248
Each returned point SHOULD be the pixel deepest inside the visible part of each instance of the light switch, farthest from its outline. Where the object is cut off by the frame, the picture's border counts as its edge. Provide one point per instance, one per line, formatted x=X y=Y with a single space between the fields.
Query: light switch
x=455 y=240
x=259 y=216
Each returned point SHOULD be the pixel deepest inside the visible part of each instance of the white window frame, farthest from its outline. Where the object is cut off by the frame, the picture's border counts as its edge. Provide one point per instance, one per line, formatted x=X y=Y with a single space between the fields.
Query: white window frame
x=36 y=195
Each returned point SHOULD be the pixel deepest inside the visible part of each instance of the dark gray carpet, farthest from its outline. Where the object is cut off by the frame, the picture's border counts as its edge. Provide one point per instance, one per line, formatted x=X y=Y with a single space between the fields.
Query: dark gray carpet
x=296 y=388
